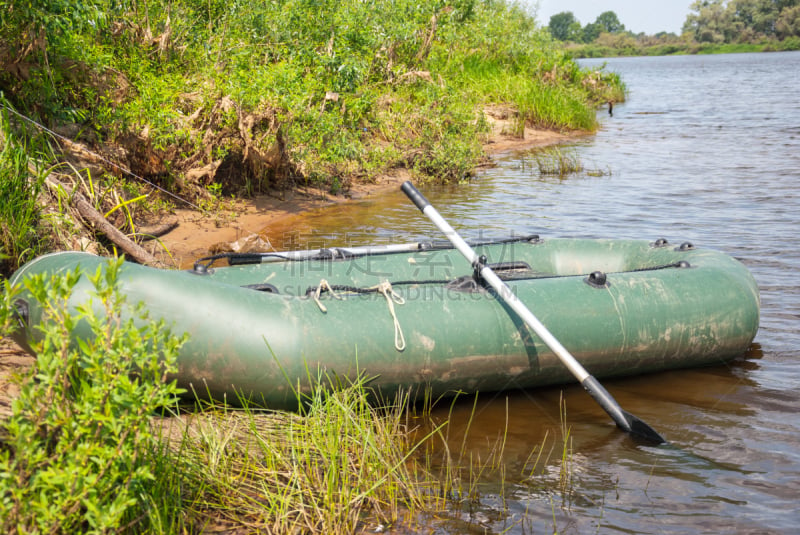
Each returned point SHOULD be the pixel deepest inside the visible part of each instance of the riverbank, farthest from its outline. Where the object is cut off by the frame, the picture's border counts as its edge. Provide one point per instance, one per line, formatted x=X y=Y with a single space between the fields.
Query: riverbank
x=176 y=99
x=198 y=234
x=628 y=47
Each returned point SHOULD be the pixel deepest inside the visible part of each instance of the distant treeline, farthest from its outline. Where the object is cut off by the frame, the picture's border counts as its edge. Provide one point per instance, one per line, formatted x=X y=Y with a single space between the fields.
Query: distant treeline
x=743 y=21
x=712 y=26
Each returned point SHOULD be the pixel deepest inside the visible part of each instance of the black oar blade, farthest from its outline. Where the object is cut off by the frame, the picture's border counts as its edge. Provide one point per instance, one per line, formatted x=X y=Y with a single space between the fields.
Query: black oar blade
x=624 y=420
x=641 y=430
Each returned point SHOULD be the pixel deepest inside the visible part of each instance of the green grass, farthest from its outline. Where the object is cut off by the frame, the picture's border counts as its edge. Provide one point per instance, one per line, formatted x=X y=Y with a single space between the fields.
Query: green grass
x=341 y=466
x=558 y=162
x=20 y=212
x=298 y=91
x=592 y=50
x=726 y=48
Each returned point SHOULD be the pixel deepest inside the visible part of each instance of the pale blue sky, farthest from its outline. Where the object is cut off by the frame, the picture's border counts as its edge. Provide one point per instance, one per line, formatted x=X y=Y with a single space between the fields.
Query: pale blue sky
x=648 y=16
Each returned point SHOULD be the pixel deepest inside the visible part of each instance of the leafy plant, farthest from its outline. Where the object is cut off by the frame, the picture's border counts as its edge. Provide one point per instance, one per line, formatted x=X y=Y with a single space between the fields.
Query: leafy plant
x=78 y=447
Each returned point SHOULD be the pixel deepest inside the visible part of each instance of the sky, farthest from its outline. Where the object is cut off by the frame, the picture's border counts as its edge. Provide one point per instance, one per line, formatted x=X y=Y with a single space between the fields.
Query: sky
x=648 y=16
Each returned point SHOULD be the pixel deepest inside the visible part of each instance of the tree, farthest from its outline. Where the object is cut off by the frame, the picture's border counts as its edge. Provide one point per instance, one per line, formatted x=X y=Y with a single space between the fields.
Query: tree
x=31 y=26
x=710 y=22
x=591 y=32
x=788 y=23
x=562 y=26
x=756 y=15
x=609 y=22
x=740 y=20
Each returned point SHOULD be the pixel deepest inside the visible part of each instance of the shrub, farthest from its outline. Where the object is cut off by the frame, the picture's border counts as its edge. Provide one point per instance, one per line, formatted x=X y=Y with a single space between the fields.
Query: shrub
x=77 y=454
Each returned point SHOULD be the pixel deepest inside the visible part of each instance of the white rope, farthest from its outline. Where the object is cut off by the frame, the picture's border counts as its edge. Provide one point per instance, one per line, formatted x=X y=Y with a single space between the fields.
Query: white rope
x=391 y=298
x=323 y=285
x=384 y=288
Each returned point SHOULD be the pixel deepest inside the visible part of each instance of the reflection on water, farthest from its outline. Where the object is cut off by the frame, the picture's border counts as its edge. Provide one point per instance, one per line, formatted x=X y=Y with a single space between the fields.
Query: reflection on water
x=707 y=150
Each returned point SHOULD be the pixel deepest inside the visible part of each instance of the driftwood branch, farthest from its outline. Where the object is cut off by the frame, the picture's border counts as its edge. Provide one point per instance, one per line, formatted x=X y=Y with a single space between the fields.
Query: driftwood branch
x=155 y=231
x=88 y=212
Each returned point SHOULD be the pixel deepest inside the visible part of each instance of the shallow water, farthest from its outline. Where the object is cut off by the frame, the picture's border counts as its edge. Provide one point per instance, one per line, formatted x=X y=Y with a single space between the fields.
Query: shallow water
x=707 y=150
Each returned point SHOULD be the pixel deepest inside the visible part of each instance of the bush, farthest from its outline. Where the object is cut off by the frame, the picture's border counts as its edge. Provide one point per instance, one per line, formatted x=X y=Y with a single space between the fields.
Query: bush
x=78 y=448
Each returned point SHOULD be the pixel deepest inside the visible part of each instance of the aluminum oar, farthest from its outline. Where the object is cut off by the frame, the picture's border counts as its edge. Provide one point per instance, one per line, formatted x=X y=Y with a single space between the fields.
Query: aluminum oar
x=624 y=420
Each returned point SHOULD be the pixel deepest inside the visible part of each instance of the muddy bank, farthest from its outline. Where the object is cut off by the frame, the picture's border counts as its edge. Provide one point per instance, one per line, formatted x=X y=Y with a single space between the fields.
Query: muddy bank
x=198 y=235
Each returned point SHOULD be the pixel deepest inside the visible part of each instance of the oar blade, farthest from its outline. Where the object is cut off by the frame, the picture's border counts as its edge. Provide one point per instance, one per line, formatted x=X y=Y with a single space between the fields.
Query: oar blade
x=639 y=429
x=624 y=420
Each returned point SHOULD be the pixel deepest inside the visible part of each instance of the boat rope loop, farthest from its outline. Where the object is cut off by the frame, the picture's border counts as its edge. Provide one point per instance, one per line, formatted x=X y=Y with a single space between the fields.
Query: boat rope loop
x=324 y=286
x=384 y=288
x=393 y=297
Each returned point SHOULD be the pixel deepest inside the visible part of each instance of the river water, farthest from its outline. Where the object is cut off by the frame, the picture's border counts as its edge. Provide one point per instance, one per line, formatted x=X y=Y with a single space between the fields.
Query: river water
x=707 y=150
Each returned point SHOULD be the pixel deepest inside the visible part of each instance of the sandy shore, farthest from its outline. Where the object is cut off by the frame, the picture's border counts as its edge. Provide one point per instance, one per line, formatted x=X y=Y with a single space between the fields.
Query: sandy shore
x=197 y=234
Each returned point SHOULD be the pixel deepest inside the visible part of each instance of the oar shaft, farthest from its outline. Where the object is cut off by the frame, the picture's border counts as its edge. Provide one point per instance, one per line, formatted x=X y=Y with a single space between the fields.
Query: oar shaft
x=624 y=420
x=312 y=254
x=495 y=282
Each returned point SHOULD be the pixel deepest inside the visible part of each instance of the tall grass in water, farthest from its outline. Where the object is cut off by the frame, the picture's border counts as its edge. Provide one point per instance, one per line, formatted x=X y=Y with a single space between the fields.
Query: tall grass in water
x=558 y=162
x=476 y=473
x=341 y=467
x=346 y=466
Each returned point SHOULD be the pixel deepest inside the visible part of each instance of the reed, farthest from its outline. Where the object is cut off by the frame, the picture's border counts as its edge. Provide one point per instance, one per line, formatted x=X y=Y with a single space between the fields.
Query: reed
x=474 y=474
x=340 y=466
x=346 y=464
x=558 y=162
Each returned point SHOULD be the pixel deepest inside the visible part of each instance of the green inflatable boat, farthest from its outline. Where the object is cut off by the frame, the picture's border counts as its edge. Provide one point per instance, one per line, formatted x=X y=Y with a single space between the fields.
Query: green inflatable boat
x=415 y=316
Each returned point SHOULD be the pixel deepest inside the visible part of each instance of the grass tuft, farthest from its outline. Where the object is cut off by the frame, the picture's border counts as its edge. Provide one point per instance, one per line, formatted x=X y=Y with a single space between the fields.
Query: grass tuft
x=342 y=466
x=20 y=236
x=558 y=162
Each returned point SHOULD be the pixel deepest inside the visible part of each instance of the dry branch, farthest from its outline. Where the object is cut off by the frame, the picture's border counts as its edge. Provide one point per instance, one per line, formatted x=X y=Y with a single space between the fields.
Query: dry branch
x=96 y=219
